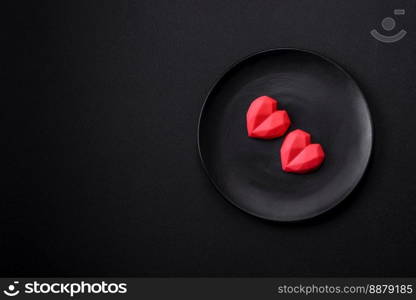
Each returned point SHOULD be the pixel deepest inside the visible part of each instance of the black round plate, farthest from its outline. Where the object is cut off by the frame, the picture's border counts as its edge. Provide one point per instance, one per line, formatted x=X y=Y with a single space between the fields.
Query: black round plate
x=321 y=98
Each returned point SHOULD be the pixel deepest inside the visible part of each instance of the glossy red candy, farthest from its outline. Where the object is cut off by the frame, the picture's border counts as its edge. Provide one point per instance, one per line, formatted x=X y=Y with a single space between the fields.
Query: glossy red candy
x=264 y=121
x=298 y=155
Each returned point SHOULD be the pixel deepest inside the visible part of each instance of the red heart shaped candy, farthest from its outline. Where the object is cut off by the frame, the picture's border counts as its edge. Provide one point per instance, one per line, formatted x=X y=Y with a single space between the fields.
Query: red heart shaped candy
x=264 y=121
x=298 y=155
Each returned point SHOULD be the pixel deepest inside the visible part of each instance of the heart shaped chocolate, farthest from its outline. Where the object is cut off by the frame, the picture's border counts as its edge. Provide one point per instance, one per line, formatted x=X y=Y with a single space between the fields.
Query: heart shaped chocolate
x=298 y=155
x=264 y=121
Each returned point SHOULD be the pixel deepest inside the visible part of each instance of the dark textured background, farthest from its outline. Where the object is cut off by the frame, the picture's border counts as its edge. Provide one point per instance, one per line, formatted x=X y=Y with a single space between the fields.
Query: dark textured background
x=98 y=122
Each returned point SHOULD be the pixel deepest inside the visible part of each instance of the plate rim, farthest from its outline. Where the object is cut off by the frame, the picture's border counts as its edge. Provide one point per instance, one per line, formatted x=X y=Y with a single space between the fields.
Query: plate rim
x=262 y=52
